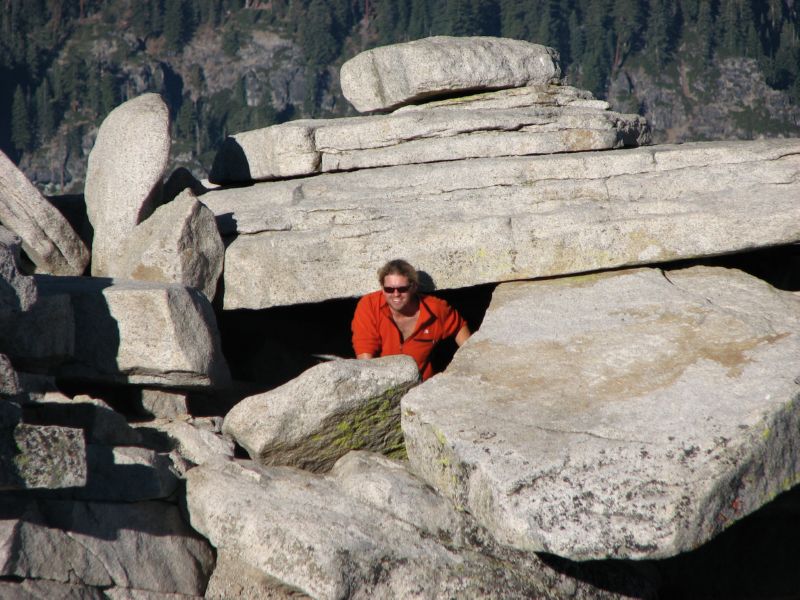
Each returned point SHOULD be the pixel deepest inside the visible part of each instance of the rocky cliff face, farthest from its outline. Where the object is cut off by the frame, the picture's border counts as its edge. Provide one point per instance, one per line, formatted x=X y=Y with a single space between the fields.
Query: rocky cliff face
x=266 y=72
x=728 y=101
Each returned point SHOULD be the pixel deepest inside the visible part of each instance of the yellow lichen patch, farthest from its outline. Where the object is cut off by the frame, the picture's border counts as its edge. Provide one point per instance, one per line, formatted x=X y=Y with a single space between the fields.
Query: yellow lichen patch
x=643 y=245
x=149 y=273
x=643 y=353
x=581 y=139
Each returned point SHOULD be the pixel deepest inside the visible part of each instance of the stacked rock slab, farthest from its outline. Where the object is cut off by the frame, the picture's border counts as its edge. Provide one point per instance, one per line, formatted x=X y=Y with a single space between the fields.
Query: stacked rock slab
x=391 y=76
x=532 y=122
x=91 y=505
x=140 y=332
x=47 y=237
x=124 y=174
x=322 y=536
x=629 y=415
x=487 y=220
x=140 y=546
x=330 y=409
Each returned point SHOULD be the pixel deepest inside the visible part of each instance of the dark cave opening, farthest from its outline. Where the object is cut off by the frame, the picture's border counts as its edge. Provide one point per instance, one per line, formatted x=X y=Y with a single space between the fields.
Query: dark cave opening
x=271 y=346
x=266 y=348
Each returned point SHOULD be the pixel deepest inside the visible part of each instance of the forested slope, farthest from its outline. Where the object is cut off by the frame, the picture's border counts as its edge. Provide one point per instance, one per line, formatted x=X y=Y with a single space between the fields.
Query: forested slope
x=719 y=69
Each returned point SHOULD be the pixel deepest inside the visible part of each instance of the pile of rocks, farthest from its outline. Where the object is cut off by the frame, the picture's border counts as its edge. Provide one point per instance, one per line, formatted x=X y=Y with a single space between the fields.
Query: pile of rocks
x=92 y=501
x=626 y=414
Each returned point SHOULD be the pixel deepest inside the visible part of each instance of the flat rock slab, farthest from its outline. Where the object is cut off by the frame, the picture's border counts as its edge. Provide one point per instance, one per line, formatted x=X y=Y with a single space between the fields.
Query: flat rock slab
x=330 y=409
x=312 y=146
x=478 y=221
x=140 y=332
x=47 y=237
x=307 y=533
x=135 y=546
x=40 y=456
x=390 y=76
x=633 y=414
x=124 y=173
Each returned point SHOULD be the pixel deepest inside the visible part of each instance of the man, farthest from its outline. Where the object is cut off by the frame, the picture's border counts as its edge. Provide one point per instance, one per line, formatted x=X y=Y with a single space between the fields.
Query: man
x=398 y=320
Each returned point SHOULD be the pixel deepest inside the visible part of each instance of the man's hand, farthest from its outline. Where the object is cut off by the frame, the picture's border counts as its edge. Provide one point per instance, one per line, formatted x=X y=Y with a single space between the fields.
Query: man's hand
x=463 y=335
x=365 y=355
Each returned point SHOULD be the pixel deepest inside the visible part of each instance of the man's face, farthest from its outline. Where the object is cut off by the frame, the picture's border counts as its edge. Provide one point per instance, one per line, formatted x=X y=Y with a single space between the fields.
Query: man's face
x=398 y=291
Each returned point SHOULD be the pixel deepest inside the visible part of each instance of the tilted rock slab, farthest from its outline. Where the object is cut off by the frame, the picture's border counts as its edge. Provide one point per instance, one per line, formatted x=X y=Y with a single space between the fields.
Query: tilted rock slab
x=178 y=243
x=141 y=332
x=531 y=95
x=193 y=443
x=47 y=237
x=164 y=404
x=330 y=409
x=124 y=173
x=140 y=546
x=235 y=578
x=305 y=531
x=489 y=220
x=390 y=76
x=312 y=146
x=625 y=415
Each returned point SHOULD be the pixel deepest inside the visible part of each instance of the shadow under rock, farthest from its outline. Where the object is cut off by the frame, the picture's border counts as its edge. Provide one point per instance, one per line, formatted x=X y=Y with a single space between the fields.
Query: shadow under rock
x=757 y=558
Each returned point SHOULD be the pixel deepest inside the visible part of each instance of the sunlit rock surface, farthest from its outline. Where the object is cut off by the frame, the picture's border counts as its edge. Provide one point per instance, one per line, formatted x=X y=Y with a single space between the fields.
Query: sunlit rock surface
x=625 y=415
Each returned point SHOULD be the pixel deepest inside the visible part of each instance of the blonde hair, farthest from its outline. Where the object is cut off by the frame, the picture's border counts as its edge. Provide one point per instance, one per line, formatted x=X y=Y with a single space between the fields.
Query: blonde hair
x=398 y=266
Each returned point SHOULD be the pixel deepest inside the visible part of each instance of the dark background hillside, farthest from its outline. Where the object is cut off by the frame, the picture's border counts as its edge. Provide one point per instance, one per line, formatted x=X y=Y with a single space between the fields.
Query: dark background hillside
x=719 y=69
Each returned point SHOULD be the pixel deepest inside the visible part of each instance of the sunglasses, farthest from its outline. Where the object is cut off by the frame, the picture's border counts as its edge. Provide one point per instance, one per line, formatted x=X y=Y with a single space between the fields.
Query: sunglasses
x=401 y=289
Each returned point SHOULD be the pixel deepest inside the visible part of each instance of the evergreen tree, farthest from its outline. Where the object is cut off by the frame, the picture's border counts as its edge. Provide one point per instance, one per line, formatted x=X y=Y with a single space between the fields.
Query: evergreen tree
x=628 y=23
x=487 y=13
x=108 y=93
x=45 y=115
x=385 y=19
x=729 y=26
x=156 y=16
x=140 y=17
x=512 y=19
x=461 y=18
x=174 y=21
x=577 y=42
x=92 y=99
x=184 y=121
x=419 y=19
x=705 y=32
x=21 y=126
x=658 y=31
x=316 y=35
x=596 y=58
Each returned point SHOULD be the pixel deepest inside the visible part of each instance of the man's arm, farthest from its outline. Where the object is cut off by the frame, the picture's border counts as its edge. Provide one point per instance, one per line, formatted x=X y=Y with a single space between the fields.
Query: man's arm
x=463 y=335
x=364 y=355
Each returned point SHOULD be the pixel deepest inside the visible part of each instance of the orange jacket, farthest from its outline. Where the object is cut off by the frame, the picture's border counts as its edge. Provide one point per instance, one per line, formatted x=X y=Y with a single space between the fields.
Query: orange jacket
x=375 y=332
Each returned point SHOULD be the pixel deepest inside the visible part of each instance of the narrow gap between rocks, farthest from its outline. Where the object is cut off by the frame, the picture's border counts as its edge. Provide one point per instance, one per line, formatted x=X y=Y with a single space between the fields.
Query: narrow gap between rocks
x=778 y=265
x=266 y=348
